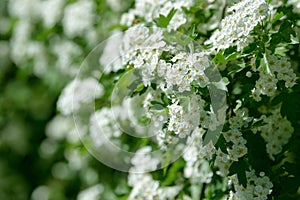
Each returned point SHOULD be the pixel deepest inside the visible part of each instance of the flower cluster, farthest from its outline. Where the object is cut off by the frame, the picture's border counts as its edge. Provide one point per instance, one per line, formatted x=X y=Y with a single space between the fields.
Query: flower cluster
x=280 y=69
x=77 y=93
x=196 y=156
x=103 y=127
x=258 y=187
x=78 y=18
x=143 y=48
x=235 y=28
x=150 y=10
x=276 y=132
x=144 y=187
x=53 y=35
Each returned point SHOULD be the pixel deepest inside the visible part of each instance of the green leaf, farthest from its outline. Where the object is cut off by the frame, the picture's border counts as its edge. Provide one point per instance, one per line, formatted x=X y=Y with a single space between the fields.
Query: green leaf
x=163 y=21
x=144 y=120
x=221 y=143
x=232 y=56
x=166 y=101
x=219 y=58
x=157 y=105
x=166 y=161
x=140 y=89
x=257 y=146
x=240 y=167
x=281 y=51
x=221 y=85
x=265 y=64
x=277 y=17
x=172 y=172
x=290 y=107
x=191 y=32
x=250 y=48
x=236 y=68
x=283 y=35
x=278 y=99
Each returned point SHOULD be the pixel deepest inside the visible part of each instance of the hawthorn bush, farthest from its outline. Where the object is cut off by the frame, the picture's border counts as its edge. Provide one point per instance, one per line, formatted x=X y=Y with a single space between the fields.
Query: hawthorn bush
x=194 y=99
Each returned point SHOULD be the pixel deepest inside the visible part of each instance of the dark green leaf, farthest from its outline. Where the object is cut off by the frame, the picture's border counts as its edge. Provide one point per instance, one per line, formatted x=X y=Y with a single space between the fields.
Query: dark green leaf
x=240 y=167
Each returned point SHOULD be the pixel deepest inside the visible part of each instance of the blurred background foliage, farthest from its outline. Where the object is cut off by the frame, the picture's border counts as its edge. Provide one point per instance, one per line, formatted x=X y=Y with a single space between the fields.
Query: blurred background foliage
x=34 y=165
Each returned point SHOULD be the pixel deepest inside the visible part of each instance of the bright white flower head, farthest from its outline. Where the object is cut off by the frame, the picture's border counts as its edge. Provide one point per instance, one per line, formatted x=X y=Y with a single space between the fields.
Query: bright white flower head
x=235 y=27
x=24 y=9
x=77 y=93
x=51 y=11
x=78 y=18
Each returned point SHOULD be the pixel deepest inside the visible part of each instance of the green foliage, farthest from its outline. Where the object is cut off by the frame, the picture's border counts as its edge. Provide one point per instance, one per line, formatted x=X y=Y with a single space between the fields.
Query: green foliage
x=163 y=21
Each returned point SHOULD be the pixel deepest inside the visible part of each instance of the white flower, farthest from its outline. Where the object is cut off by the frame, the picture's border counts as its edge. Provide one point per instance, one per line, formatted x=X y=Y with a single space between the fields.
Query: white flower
x=235 y=27
x=78 y=18
x=191 y=154
x=91 y=193
x=66 y=51
x=295 y=4
x=19 y=41
x=143 y=160
x=103 y=127
x=127 y=19
x=77 y=93
x=24 y=9
x=51 y=11
x=110 y=58
x=177 y=20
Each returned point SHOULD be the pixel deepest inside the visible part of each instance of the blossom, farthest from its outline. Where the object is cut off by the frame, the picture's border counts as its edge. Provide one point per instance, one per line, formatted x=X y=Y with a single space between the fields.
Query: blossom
x=150 y=10
x=103 y=127
x=111 y=58
x=91 y=193
x=235 y=27
x=280 y=69
x=77 y=93
x=27 y=9
x=78 y=18
x=258 y=187
x=276 y=132
x=66 y=51
x=51 y=11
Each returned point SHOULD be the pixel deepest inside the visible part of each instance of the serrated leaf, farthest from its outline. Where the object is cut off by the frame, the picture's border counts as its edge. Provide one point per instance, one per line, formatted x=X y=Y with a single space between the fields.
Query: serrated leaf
x=163 y=21
x=281 y=51
x=277 y=17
